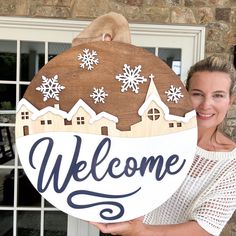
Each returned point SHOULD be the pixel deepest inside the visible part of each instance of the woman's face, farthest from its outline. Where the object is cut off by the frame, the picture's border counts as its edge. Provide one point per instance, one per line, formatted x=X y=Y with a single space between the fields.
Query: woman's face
x=209 y=93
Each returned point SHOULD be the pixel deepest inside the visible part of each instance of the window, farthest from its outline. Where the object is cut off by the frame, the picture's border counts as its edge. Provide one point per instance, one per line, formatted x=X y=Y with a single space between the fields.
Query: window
x=46 y=122
x=179 y=124
x=153 y=114
x=172 y=125
x=6 y=145
x=21 y=206
x=179 y=46
x=67 y=122
x=26 y=44
x=25 y=115
x=80 y=120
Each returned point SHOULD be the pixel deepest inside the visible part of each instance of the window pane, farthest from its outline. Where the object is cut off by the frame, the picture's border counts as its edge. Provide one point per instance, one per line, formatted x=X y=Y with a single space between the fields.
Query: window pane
x=56 y=48
x=7 y=143
x=7 y=118
x=8 y=97
x=7 y=60
x=32 y=59
x=55 y=223
x=48 y=204
x=32 y=198
x=172 y=56
x=152 y=50
x=22 y=90
x=28 y=223
x=6 y=188
x=6 y=223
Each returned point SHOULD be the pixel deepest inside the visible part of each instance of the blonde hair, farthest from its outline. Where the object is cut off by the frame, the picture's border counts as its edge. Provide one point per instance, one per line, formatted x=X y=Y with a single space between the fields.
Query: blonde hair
x=214 y=64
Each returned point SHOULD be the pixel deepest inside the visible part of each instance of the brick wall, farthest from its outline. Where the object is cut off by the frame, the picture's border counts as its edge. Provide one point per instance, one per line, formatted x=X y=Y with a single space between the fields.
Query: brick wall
x=218 y=16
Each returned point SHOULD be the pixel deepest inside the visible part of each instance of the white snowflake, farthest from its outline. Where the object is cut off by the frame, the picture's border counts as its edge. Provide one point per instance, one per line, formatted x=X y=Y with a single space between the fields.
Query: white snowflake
x=88 y=59
x=131 y=78
x=50 y=88
x=174 y=94
x=99 y=95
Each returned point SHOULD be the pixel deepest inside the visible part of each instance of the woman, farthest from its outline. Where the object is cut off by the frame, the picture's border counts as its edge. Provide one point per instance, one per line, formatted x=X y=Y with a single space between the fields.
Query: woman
x=207 y=198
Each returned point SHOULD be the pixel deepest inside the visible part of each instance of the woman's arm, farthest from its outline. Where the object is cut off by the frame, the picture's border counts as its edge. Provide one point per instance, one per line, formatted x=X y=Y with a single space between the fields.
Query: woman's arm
x=138 y=228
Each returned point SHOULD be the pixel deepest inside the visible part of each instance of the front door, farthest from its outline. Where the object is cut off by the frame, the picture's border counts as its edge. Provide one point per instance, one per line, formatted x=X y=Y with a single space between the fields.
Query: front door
x=104 y=130
x=26 y=130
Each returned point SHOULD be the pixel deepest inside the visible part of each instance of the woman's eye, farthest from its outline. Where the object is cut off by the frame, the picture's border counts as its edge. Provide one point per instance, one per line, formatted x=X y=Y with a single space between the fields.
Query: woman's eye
x=197 y=94
x=218 y=95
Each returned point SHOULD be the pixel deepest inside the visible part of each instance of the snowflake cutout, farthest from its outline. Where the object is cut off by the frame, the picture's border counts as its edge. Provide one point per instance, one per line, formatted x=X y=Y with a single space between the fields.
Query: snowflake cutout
x=131 y=78
x=174 y=94
x=99 y=95
x=88 y=59
x=50 y=88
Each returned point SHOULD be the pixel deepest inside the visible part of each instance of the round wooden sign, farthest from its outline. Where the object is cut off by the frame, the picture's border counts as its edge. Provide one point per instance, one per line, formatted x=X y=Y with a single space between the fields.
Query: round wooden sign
x=104 y=127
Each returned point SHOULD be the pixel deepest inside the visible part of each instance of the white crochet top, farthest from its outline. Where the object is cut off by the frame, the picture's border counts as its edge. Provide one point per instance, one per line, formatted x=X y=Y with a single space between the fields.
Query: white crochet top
x=207 y=195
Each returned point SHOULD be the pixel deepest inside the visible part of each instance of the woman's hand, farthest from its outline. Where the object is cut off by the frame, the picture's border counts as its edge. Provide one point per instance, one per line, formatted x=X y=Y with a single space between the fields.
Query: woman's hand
x=128 y=228
x=138 y=228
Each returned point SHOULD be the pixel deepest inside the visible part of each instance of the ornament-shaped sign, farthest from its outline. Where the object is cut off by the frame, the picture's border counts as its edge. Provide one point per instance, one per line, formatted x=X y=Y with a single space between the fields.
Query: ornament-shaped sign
x=103 y=128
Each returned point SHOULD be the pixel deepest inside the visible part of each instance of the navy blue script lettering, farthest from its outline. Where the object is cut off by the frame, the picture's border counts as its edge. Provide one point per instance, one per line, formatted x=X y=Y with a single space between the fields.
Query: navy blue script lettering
x=103 y=196
x=100 y=166
x=80 y=170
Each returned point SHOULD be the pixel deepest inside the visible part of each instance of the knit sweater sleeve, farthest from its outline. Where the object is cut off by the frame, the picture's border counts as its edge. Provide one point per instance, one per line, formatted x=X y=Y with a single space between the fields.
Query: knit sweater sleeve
x=215 y=205
x=207 y=195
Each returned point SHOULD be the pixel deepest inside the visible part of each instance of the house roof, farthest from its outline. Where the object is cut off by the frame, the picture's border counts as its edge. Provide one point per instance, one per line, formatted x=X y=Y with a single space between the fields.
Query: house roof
x=108 y=60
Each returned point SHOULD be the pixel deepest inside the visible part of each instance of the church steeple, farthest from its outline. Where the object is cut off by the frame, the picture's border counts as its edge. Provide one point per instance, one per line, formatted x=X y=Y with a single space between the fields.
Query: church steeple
x=152 y=90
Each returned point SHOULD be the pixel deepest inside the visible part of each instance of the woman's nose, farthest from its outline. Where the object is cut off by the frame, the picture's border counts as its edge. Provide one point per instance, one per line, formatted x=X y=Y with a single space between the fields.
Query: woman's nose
x=206 y=102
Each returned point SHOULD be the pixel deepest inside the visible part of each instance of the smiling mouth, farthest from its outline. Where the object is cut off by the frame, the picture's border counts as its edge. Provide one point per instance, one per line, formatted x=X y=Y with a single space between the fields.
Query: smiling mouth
x=204 y=116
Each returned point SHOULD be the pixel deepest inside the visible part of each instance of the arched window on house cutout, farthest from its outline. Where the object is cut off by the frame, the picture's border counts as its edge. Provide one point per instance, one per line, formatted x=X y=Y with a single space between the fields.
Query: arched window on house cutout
x=153 y=114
